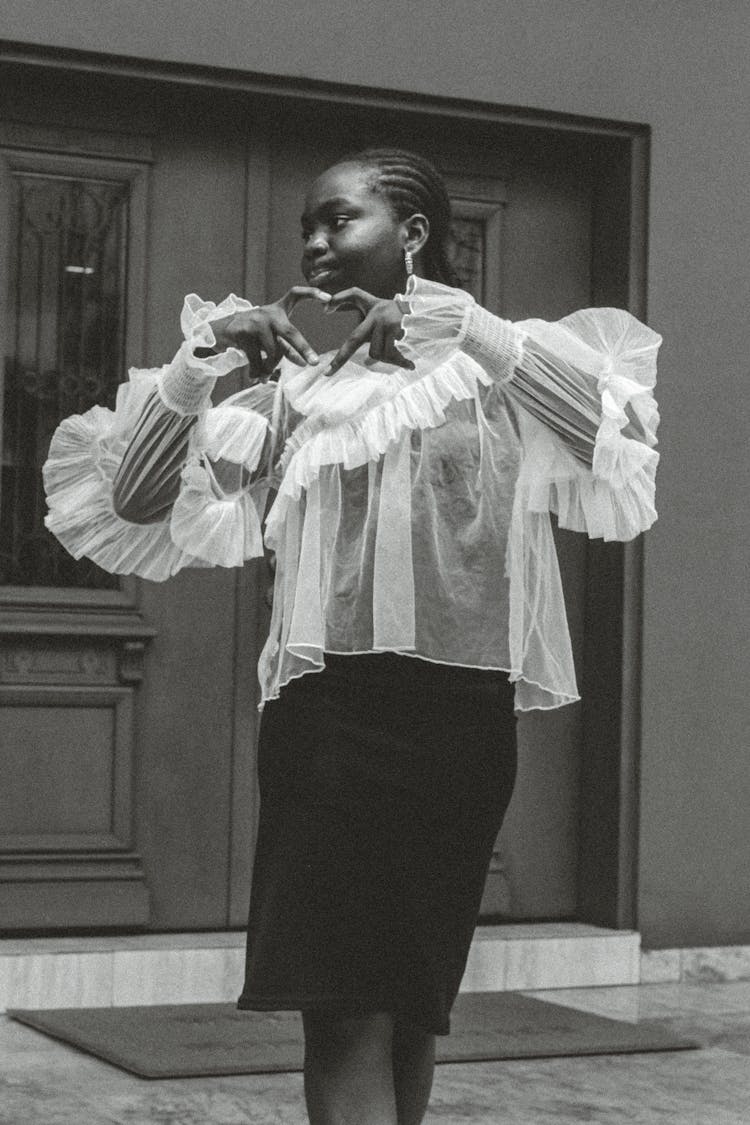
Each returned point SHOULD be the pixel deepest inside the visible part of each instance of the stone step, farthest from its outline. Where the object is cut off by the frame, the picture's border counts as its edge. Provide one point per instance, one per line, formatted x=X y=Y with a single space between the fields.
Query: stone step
x=69 y=972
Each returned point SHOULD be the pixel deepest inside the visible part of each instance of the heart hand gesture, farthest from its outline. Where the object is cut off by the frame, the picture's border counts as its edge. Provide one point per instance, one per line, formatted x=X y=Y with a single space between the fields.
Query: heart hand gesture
x=380 y=324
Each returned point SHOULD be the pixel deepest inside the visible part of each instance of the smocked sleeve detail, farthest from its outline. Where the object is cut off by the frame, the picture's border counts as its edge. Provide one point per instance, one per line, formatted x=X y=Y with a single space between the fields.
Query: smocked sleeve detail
x=185 y=386
x=439 y=321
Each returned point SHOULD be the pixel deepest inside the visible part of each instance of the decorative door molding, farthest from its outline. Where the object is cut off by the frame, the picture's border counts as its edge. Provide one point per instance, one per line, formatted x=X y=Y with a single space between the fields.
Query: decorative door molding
x=72 y=639
x=478 y=206
x=53 y=310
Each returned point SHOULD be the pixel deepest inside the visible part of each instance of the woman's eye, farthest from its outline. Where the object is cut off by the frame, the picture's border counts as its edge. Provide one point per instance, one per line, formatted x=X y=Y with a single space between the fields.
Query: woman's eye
x=336 y=222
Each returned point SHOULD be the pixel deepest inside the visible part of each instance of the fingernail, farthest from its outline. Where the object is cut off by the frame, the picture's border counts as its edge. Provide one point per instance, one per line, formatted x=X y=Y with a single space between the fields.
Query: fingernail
x=313 y=358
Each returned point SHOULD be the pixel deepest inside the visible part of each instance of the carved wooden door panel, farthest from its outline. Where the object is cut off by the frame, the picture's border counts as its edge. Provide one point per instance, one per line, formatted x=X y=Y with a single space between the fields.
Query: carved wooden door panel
x=125 y=736
x=73 y=232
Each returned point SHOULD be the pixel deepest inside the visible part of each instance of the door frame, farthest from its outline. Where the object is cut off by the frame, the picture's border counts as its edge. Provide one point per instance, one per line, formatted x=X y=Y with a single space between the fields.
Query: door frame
x=608 y=829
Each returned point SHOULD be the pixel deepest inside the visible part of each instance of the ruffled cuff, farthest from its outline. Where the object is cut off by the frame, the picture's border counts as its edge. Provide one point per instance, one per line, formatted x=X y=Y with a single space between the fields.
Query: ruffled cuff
x=552 y=480
x=185 y=386
x=615 y=498
x=84 y=456
x=220 y=529
x=206 y=525
x=441 y=320
x=434 y=320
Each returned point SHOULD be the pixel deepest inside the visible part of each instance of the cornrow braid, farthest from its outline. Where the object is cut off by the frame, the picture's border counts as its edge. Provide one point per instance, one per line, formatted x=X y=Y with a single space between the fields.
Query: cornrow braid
x=413 y=185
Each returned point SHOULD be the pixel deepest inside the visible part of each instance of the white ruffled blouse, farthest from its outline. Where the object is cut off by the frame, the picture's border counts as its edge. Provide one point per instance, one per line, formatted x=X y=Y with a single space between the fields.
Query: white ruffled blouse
x=412 y=507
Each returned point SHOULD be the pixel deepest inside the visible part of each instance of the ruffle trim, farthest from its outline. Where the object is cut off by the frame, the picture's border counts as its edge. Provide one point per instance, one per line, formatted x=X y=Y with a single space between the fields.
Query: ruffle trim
x=205 y=528
x=420 y=405
x=551 y=480
x=222 y=530
x=198 y=315
x=435 y=320
x=234 y=433
x=626 y=380
x=78 y=476
x=186 y=384
x=615 y=500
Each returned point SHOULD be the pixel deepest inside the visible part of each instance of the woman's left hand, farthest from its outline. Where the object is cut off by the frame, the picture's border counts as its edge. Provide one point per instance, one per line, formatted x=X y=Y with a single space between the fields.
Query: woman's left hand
x=381 y=325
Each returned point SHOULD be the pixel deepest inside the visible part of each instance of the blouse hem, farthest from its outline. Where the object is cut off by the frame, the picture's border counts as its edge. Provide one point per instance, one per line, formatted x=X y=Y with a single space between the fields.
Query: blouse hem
x=564 y=697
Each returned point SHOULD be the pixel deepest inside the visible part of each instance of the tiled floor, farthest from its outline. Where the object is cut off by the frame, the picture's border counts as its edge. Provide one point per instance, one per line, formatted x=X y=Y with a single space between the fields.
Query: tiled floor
x=46 y=1083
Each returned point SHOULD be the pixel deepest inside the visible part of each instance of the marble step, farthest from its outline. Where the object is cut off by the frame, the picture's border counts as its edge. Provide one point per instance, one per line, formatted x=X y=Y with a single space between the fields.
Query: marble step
x=71 y=972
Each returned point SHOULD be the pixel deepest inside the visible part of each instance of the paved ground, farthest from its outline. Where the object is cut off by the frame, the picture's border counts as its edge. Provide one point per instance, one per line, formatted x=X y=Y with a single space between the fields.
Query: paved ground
x=46 y=1083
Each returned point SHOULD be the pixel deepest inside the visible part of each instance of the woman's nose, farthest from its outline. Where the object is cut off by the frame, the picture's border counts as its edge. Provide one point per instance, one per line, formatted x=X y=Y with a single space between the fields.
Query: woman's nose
x=315 y=244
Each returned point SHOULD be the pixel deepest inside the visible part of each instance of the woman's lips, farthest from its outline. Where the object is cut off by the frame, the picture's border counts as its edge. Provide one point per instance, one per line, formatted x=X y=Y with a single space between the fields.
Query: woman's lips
x=320 y=275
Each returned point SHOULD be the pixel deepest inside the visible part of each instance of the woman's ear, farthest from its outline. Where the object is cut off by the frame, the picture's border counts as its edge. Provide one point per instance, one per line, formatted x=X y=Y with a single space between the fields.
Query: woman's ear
x=416 y=231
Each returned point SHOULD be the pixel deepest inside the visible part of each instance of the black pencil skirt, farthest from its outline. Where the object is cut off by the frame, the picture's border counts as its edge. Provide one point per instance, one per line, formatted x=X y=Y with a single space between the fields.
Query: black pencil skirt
x=384 y=780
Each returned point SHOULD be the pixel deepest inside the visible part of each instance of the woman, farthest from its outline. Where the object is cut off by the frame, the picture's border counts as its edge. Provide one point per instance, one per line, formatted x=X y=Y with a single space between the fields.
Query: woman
x=414 y=472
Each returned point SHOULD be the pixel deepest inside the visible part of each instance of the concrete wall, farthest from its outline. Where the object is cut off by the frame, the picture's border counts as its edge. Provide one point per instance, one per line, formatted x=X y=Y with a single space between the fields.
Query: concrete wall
x=682 y=68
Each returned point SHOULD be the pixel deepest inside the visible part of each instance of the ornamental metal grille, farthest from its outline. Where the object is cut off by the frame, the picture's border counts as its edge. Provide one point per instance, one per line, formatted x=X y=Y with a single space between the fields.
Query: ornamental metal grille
x=66 y=326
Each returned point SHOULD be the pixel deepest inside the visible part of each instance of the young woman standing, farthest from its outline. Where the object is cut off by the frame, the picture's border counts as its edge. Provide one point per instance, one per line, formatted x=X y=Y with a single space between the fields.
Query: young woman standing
x=412 y=475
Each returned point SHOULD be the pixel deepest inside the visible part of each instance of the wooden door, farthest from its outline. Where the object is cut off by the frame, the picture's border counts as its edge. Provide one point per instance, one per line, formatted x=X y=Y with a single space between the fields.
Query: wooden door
x=128 y=717
x=128 y=707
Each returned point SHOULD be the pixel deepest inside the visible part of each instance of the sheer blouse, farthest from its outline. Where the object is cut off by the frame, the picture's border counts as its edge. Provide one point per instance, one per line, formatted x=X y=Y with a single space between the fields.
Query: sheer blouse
x=410 y=508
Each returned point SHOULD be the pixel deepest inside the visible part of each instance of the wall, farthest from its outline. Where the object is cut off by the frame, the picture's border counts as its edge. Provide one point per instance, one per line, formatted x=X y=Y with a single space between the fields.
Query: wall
x=681 y=68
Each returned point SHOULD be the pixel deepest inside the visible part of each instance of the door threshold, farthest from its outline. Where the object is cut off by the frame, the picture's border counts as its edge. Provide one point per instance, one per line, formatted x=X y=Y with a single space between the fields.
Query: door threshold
x=530 y=956
x=192 y=968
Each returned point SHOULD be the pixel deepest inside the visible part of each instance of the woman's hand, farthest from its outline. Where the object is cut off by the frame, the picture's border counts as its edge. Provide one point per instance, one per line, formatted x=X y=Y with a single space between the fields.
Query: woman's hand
x=266 y=334
x=381 y=325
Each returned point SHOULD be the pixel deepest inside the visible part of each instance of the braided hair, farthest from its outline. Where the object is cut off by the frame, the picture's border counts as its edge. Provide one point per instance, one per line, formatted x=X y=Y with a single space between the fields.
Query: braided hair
x=413 y=185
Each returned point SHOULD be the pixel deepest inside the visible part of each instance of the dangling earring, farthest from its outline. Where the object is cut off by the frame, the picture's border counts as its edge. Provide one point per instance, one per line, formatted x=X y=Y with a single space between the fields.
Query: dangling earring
x=409 y=262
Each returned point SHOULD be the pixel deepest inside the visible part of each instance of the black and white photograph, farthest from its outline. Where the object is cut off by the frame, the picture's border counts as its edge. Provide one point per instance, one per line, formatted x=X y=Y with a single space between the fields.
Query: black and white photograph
x=374 y=538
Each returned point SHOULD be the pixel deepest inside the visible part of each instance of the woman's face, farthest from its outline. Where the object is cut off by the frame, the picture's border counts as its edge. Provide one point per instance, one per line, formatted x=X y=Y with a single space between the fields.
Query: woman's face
x=351 y=236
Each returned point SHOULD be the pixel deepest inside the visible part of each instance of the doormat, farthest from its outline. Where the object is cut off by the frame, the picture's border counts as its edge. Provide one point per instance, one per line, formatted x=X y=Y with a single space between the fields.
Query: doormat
x=198 y=1040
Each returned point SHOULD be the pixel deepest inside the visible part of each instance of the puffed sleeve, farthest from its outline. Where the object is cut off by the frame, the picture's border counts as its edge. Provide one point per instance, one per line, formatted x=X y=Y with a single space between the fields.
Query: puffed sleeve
x=165 y=481
x=584 y=386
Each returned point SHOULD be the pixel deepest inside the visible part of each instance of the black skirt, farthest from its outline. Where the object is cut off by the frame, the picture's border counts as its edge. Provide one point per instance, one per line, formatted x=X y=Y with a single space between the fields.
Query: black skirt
x=384 y=780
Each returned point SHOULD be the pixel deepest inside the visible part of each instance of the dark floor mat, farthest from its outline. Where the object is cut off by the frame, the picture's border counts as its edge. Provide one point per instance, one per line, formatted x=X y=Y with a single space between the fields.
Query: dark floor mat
x=191 y=1040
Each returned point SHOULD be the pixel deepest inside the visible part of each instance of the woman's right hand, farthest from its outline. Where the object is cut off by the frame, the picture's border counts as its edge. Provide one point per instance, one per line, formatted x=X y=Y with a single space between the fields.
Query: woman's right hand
x=266 y=335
